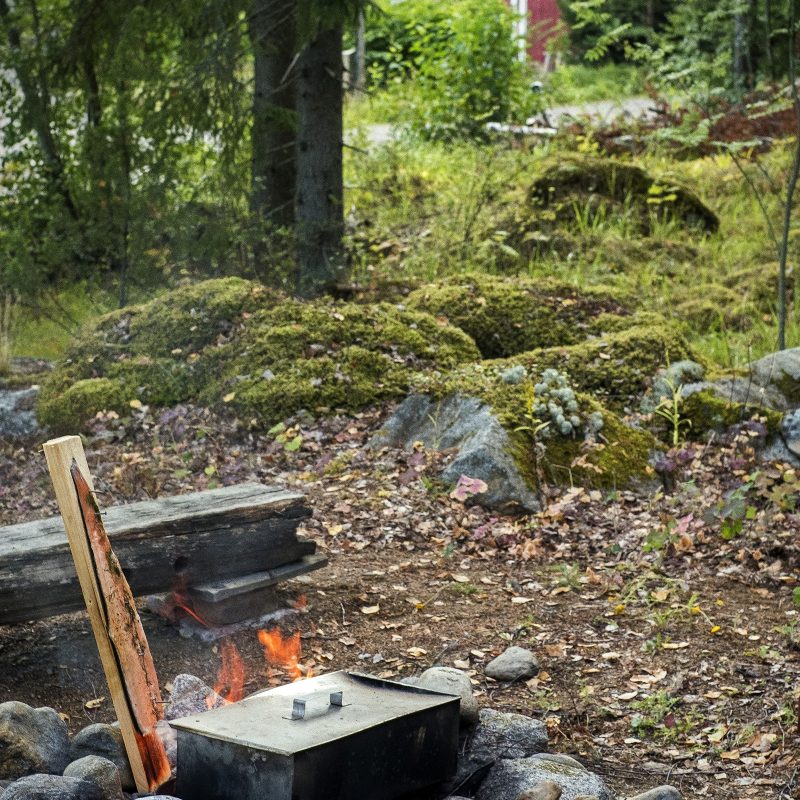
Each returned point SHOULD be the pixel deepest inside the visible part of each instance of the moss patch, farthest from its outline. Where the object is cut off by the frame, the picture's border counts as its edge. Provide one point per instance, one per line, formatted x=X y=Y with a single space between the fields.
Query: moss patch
x=267 y=355
x=581 y=189
x=506 y=316
x=707 y=411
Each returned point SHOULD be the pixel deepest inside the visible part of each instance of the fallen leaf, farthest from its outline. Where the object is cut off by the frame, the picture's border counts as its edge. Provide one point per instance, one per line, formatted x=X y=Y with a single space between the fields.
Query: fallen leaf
x=95 y=703
x=416 y=652
x=370 y=609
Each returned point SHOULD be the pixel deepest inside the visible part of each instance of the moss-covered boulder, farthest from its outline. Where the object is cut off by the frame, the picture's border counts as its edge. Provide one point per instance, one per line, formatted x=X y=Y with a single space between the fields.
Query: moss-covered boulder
x=506 y=316
x=600 y=450
x=233 y=341
x=581 y=190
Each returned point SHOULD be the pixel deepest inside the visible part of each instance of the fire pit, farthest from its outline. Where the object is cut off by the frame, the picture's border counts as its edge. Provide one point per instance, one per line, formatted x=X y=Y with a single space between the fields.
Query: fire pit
x=341 y=735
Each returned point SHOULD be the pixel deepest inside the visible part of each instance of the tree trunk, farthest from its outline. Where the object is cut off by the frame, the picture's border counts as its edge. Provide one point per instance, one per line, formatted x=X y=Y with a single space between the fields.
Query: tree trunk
x=319 y=193
x=740 y=51
x=271 y=28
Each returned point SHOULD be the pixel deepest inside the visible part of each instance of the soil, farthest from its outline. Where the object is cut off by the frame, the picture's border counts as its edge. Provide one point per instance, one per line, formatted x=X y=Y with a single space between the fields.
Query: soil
x=665 y=623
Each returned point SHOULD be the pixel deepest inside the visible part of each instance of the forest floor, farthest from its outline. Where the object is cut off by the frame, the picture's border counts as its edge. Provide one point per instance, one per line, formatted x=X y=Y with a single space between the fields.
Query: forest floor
x=669 y=653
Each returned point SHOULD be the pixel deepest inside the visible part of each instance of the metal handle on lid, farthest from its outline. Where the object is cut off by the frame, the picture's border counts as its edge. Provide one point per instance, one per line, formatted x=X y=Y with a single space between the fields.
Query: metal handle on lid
x=314 y=705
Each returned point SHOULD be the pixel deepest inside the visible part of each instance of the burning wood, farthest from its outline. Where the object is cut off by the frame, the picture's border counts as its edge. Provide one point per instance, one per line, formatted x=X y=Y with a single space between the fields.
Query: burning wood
x=122 y=645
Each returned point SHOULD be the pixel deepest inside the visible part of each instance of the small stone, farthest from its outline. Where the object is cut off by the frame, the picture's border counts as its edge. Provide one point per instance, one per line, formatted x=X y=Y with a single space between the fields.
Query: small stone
x=513 y=664
x=452 y=681
x=32 y=740
x=790 y=430
x=510 y=778
x=189 y=696
x=659 y=793
x=51 y=787
x=99 y=771
x=502 y=734
x=546 y=790
x=105 y=741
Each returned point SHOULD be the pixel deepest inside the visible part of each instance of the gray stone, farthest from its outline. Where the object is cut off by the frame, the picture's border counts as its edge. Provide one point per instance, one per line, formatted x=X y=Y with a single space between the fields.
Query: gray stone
x=776 y=450
x=781 y=372
x=502 y=734
x=452 y=681
x=189 y=695
x=469 y=426
x=790 y=430
x=31 y=740
x=547 y=790
x=509 y=778
x=51 y=787
x=676 y=375
x=105 y=741
x=99 y=771
x=17 y=415
x=659 y=793
x=513 y=664
x=739 y=390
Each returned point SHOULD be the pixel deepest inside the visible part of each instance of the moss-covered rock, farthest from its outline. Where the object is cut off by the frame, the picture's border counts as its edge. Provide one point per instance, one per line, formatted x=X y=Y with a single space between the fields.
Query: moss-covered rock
x=616 y=455
x=706 y=410
x=582 y=189
x=264 y=353
x=506 y=316
x=711 y=307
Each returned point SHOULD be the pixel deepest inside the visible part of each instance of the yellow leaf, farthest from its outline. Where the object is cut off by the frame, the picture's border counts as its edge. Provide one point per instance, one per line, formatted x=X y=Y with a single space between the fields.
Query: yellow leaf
x=416 y=652
x=716 y=629
x=695 y=609
x=135 y=403
x=96 y=703
x=619 y=608
x=228 y=397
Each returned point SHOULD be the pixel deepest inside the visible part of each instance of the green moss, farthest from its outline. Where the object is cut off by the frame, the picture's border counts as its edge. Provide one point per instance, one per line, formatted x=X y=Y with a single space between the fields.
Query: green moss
x=619 y=456
x=581 y=189
x=707 y=411
x=506 y=316
x=615 y=367
x=67 y=411
x=274 y=355
x=711 y=307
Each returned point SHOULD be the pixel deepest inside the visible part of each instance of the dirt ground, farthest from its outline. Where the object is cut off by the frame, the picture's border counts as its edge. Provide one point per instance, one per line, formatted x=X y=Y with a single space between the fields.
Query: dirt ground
x=665 y=623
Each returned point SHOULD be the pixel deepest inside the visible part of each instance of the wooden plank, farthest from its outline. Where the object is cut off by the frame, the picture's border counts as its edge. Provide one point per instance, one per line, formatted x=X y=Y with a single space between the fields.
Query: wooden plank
x=192 y=540
x=69 y=470
x=247 y=596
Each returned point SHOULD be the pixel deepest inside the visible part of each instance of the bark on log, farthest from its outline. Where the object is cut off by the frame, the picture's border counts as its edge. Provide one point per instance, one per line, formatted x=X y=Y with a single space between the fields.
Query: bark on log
x=195 y=538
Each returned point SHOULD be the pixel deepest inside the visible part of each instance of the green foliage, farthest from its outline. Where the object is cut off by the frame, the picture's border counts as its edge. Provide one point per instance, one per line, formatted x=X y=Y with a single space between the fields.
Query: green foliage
x=593 y=13
x=462 y=59
x=669 y=409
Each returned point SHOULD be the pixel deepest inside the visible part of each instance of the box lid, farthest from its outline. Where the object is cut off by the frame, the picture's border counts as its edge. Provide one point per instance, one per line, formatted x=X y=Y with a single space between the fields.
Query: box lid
x=264 y=720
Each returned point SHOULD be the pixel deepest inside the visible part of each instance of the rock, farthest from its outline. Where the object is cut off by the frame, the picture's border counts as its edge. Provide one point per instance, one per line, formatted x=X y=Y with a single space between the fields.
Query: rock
x=105 y=741
x=17 y=416
x=32 y=740
x=99 y=771
x=777 y=450
x=510 y=778
x=779 y=371
x=790 y=430
x=51 y=787
x=678 y=374
x=503 y=734
x=513 y=664
x=659 y=793
x=468 y=425
x=452 y=681
x=546 y=790
x=189 y=695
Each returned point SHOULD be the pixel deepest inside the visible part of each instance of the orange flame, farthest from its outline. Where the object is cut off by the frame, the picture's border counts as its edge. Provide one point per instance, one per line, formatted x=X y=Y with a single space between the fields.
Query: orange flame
x=284 y=652
x=230 y=679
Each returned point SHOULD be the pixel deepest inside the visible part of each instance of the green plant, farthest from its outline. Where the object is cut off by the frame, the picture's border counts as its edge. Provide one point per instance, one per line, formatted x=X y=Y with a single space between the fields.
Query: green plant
x=669 y=408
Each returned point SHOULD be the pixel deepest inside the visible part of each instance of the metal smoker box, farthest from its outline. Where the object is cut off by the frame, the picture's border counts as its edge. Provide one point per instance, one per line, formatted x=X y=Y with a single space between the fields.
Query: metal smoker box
x=341 y=736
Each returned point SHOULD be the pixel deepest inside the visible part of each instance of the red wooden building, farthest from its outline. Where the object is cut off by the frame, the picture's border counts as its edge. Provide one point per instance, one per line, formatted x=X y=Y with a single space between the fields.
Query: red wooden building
x=538 y=23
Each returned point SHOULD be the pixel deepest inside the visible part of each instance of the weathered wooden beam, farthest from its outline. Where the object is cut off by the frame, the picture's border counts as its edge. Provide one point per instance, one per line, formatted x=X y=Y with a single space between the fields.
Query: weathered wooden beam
x=122 y=645
x=194 y=538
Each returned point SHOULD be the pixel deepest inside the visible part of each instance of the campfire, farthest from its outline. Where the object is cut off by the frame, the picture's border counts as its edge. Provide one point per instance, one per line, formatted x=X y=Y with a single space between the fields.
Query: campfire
x=310 y=737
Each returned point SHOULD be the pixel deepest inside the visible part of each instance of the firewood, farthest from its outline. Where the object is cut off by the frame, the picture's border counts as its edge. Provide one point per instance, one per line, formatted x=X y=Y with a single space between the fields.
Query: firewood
x=121 y=642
